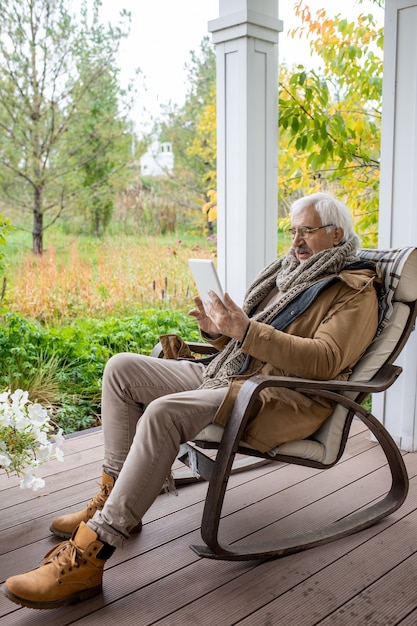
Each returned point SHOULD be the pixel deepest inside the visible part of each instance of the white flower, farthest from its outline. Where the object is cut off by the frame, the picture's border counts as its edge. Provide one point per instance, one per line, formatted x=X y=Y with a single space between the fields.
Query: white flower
x=6 y=414
x=4 y=396
x=58 y=437
x=4 y=460
x=19 y=397
x=26 y=437
x=29 y=481
x=40 y=435
x=43 y=453
x=59 y=455
x=37 y=413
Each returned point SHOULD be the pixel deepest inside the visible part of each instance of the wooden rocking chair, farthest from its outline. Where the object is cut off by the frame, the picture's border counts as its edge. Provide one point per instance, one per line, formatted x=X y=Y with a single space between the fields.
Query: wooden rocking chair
x=375 y=372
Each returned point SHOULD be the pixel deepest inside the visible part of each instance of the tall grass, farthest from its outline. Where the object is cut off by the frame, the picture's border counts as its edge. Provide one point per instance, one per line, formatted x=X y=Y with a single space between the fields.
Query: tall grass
x=96 y=278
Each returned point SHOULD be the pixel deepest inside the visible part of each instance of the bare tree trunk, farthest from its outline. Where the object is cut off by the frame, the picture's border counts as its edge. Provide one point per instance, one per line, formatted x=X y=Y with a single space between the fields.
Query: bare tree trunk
x=97 y=222
x=37 y=232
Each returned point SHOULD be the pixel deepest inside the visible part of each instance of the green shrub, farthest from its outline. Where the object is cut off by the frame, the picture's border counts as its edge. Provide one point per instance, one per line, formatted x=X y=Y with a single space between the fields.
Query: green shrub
x=62 y=366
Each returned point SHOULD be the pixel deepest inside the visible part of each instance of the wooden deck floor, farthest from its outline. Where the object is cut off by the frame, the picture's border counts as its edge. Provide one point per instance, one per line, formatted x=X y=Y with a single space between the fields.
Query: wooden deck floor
x=367 y=579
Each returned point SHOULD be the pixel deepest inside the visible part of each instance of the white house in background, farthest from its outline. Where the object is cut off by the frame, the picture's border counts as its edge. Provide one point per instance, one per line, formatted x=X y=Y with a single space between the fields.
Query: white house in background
x=158 y=160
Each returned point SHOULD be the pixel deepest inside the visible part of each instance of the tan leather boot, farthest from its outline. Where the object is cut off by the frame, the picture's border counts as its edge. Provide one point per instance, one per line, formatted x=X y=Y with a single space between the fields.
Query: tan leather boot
x=65 y=525
x=70 y=572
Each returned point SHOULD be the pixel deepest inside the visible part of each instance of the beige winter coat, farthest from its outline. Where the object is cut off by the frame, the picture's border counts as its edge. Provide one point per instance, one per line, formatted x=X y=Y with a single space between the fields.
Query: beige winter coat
x=323 y=343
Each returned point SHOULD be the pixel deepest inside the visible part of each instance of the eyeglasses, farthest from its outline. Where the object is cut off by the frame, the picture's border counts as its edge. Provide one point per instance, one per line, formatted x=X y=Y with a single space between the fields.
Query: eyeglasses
x=305 y=231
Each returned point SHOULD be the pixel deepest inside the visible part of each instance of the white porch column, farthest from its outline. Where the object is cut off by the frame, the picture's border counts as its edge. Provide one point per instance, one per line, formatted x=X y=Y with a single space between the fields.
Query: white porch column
x=398 y=195
x=246 y=38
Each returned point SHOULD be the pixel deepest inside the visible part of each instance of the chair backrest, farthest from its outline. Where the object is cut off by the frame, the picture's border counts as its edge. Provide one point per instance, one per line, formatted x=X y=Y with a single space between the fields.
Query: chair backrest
x=398 y=297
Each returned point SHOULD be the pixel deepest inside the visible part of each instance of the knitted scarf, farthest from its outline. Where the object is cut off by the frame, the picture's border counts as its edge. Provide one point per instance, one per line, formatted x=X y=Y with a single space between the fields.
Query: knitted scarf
x=291 y=277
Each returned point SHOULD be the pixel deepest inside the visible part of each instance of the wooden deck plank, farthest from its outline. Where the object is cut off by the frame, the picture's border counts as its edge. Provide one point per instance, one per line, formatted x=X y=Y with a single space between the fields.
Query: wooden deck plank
x=157 y=579
x=284 y=588
x=351 y=575
x=231 y=600
x=385 y=601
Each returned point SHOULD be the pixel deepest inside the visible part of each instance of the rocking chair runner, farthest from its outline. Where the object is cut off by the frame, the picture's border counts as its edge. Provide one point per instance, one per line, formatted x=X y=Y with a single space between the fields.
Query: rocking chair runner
x=375 y=372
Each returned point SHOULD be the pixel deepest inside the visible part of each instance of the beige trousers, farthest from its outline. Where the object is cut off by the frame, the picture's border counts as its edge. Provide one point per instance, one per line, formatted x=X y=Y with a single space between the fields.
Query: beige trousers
x=149 y=407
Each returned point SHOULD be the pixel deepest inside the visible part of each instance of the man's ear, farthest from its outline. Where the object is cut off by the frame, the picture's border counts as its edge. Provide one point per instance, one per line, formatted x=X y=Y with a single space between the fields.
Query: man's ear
x=337 y=235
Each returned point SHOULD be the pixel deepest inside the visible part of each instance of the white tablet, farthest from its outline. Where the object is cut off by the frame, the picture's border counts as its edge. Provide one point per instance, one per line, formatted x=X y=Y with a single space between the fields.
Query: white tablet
x=206 y=278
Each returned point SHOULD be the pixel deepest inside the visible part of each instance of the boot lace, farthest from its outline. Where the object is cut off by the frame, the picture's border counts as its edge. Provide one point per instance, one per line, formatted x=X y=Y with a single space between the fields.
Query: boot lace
x=65 y=556
x=98 y=502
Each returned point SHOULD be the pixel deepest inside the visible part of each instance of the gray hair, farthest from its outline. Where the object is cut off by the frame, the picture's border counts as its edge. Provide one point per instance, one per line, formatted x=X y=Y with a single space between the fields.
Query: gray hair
x=330 y=210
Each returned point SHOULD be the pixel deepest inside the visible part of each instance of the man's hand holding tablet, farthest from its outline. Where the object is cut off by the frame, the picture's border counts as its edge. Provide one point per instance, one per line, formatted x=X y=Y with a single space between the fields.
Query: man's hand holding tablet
x=206 y=278
x=216 y=313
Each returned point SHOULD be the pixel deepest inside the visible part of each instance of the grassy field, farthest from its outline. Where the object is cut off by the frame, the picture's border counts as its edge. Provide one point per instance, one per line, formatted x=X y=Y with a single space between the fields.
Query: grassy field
x=87 y=277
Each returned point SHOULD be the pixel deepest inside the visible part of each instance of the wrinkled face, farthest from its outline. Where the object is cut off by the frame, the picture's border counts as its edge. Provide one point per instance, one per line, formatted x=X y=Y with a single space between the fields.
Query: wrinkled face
x=307 y=245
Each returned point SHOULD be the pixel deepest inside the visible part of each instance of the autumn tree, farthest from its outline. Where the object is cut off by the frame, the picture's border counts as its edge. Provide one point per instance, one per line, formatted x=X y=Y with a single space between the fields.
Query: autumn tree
x=54 y=129
x=330 y=119
x=204 y=149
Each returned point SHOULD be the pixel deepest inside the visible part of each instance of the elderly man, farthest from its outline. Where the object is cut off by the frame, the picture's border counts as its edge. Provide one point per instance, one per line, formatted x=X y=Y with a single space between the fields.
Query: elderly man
x=311 y=314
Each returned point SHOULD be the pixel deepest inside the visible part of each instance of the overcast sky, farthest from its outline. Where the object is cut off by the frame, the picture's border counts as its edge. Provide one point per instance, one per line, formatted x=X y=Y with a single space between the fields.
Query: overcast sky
x=163 y=32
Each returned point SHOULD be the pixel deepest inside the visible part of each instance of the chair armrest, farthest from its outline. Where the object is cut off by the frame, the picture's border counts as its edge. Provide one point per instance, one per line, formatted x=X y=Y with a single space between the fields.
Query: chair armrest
x=333 y=390
x=386 y=376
